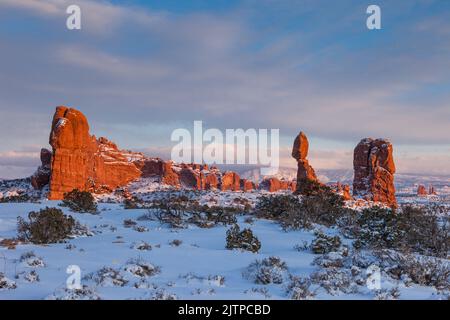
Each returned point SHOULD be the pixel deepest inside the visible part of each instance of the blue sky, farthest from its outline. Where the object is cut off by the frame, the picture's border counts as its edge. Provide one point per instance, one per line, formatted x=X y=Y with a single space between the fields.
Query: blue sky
x=139 y=69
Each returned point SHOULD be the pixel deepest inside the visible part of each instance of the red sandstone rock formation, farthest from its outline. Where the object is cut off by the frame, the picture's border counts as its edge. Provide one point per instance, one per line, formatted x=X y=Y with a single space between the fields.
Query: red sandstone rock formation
x=80 y=161
x=421 y=190
x=374 y=167
x=343 y=190
x=300 y=153
x=431 y=190
x=247 y=185
x=346 y=193
x=230 y=181
x=274 y=184
x=41 y=177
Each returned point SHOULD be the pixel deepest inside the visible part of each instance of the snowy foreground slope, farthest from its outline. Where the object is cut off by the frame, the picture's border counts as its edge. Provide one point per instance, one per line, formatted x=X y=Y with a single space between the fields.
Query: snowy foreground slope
x=148 y=260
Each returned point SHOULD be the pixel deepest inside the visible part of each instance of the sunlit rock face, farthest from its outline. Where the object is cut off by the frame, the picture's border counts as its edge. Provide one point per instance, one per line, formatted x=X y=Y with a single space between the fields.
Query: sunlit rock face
x=374 y=170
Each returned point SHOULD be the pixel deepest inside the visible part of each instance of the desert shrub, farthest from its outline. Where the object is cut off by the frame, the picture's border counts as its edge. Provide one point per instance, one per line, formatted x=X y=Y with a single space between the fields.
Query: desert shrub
x=132 y=203
x=387 y=294
x=31 y=260
x=129 y=223
x=425 y=231
x=245 y=240
x=171 y=211
x=377 y=227
x=287 y=209
x=140 y=268
x=299 y=288
x=6 y=283
x=325 y=244
x=325 y=207
x=107 y=277
x=207 y=217
x=266 y=271
x=426 y=271
x=162 y=294
x=178 y=211
x=85 y=293
x=276 y=206
x=19 y=198
x=80 y=201
x=409 y=229
x=335 y=280
x=176 y=243
x=307 y=187
x=48 y=225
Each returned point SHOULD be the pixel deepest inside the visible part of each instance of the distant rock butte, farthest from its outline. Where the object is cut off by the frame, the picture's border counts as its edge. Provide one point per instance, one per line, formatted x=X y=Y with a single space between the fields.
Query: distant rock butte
x=421 y=190
x=41 y=177
x=374 y=167
x=275 y=184
x=81 y=161
x=300 y=153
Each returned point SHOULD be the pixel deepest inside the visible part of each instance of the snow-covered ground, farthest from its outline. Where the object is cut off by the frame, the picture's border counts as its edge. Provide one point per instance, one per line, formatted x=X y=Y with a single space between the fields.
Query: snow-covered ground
x=144 y=262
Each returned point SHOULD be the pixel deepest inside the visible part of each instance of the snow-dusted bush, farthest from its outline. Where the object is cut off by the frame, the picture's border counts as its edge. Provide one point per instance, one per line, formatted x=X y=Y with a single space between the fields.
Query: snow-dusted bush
x=140 y=268
x=325 y=244
x=6 y=283
x=245 y=240
x=387 y=294
x=80 y=201
x=207 y=217
x=299 y=288
x=335 y=280
x=19 y=198
x=275 y=207
x=49 y=225
x=324 y=207
x=214 y=280
x=31 y=260
x=176 y=242
x=308 y=187
x=426 y=271
x=129 y=223
x=144 y=246
x=162 y=294
x=132 y=203
x=32 y=276
x=266 y=271
x=330 y=260
x=107 y=277
x=408 y=229
x=85 y=293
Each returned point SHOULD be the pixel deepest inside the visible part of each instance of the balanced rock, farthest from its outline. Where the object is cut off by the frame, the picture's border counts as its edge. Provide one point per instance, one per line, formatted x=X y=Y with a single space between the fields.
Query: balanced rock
x=374 y=170
x=300 y=153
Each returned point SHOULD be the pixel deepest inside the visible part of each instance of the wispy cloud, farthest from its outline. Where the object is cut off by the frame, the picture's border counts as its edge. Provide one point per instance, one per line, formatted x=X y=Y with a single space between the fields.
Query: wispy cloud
x=288 y=65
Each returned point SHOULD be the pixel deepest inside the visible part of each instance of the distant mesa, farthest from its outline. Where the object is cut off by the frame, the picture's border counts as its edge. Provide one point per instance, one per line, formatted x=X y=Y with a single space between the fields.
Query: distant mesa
x=374 y=170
